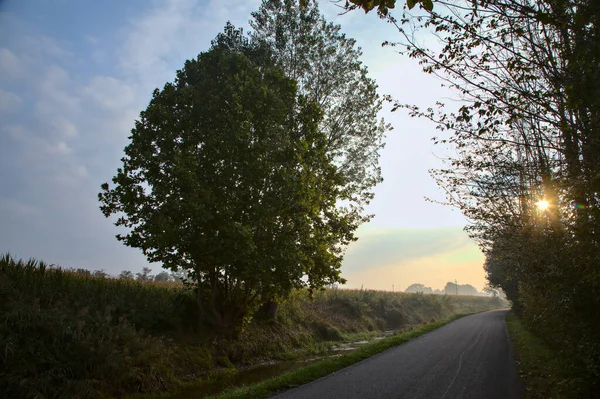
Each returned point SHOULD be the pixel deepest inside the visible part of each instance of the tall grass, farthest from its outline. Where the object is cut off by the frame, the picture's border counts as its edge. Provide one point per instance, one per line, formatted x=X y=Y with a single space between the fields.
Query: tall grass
x=66 y=334
x=155 y=307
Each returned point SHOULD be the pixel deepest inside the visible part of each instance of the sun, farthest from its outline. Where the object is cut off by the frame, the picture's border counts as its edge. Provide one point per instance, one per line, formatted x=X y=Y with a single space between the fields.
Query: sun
x=542 y=205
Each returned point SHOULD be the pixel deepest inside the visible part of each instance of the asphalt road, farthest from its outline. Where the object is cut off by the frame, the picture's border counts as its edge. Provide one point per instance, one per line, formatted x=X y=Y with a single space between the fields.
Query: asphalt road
x=471 y=357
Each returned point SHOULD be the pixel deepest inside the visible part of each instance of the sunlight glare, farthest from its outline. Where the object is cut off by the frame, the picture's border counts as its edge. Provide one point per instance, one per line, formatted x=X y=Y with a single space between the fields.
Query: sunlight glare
x=542 y=205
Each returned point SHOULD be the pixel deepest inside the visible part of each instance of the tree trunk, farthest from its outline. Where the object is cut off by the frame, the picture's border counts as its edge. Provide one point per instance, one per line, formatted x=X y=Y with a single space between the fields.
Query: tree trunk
x=269 y=309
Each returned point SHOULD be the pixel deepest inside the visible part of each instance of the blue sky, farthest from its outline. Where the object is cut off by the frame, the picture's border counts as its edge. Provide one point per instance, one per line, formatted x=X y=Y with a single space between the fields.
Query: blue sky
x=74 y=75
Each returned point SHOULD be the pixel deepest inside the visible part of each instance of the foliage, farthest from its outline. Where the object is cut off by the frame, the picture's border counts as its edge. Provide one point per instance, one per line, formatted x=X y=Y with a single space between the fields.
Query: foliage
x=450 y=289
x=65 y=333
x=100 y=274
x=162 y=276
x=83 y=272
x=525 y=136
x=179 y=275
x=329 y=71
x=227 y=176
x=544 y=372
x=126 y=274
x=384 y=6
x=145 y=275
x=266 y=389
x=68 y=334
x=414 y=288
x=460 y=289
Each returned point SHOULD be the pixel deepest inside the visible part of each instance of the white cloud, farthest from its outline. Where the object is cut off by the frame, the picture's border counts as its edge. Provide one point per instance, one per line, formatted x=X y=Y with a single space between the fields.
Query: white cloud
x=9 y=64
x=35 y=148
x=160 y=40
x=59 y=148
x=91 y=39
x=72 y=176
x=9 y=102
x=72 y=133
x=56 y=93
x=63 y=128
x=110 y=93
x=46 y=46
x=99 y=55
x=16 y=132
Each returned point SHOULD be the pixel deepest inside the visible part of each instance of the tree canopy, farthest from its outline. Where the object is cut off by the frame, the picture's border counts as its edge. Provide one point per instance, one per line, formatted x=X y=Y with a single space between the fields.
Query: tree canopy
x=329 y=71
x=227 y=176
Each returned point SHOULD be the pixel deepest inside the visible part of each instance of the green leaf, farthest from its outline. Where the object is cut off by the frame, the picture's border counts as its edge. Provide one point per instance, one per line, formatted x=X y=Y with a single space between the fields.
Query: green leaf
x=427 y=4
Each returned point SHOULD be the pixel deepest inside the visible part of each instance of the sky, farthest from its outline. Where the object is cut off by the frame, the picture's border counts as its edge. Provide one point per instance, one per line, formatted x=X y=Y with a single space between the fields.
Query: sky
x=74 y=76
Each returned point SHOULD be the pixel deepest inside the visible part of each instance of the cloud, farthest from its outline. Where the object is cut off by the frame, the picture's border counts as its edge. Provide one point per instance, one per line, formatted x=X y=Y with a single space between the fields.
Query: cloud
x=40 y=137
x=47 y=46
x=63 y=128
x=394 y=246
x=434 y=271
x=160 y=40
x=33 y=151
x=109 y=93
x=9 y=64
x=401 y=257
x=70 y=123
x=14 y=207
x=15 y=132
x=9 y=102
x=59 y=148
x=72 y=176
x=56 y=93
x=72 y=141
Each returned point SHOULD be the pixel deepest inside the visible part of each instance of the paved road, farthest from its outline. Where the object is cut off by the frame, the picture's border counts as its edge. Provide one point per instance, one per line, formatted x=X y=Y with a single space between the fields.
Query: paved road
x=469 y=358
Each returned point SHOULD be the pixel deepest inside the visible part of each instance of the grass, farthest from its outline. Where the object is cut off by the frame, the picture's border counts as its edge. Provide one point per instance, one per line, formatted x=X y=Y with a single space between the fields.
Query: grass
x=315 y=371
x=544 y=373
x=66 y=334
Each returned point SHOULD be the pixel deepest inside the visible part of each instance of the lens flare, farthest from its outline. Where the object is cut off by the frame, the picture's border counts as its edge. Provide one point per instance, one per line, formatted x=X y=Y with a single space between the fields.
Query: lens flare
x=575 y=205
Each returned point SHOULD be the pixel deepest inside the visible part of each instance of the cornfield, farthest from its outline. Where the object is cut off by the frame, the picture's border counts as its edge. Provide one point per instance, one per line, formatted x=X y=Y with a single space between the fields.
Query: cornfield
x=69 y=334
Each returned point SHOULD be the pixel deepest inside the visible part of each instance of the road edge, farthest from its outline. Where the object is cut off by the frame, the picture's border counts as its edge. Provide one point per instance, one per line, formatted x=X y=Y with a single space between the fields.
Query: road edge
x=295 y=378
x=542 y=372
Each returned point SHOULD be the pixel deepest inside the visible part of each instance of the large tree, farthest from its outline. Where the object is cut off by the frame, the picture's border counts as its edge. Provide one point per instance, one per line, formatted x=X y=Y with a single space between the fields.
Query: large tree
x=227 y=176
x=328 y=69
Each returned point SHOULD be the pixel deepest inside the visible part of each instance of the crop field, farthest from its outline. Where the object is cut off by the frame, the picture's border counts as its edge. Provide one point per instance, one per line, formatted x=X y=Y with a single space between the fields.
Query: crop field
x=67 y=333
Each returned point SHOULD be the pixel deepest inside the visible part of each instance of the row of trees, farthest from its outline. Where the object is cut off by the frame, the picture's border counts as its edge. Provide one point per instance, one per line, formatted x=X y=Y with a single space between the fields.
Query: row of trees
x=144 y=275
x=251 y=170
x=449 y=289
x=527 y=140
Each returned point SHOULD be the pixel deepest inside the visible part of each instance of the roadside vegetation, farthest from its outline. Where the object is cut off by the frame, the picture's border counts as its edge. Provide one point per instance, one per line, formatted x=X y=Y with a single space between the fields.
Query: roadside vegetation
x=544 y=372
x=310 y=373
x=525 y=145
x=69 y=334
